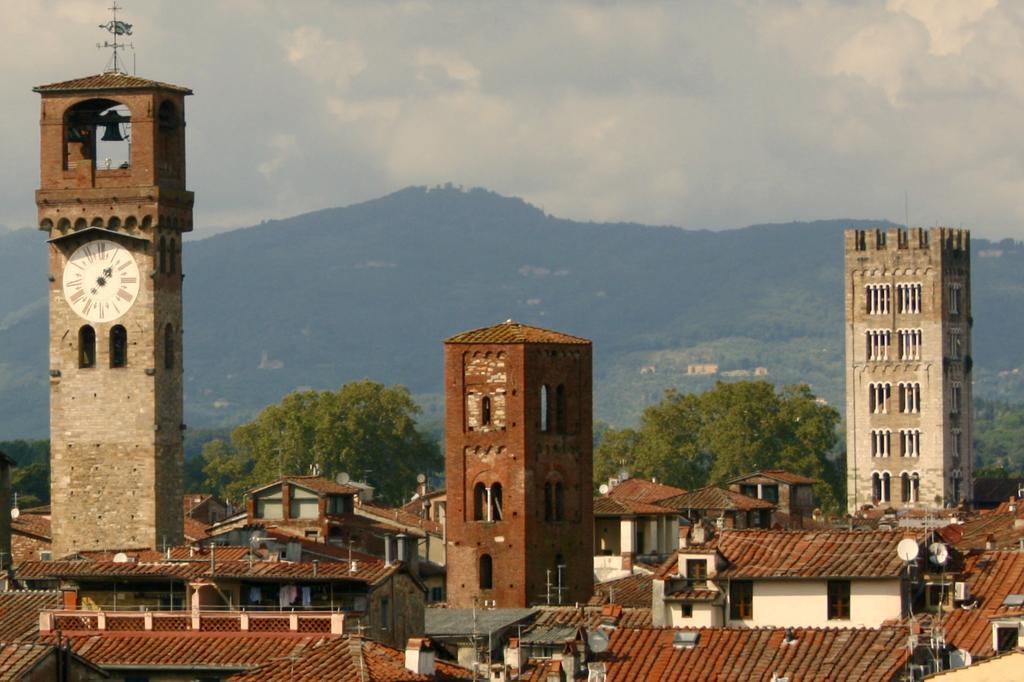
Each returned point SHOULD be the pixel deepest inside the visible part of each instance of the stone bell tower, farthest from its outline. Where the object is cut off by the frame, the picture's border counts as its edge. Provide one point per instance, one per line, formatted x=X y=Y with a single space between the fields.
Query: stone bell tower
x=113 y=203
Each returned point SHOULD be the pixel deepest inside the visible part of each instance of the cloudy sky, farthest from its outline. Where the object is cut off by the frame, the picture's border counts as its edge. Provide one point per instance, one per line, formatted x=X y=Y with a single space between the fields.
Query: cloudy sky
x=700 y=114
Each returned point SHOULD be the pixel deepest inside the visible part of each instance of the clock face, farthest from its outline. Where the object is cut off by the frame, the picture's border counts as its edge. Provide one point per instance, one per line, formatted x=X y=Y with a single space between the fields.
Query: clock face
x=101 y=281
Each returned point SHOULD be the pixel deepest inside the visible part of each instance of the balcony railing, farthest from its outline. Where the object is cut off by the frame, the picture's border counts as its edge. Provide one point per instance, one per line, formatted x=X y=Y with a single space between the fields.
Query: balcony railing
x=326 y=622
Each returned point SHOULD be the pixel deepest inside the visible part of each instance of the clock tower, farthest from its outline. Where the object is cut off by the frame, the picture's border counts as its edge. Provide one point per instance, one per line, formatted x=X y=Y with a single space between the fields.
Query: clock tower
x=113 y=203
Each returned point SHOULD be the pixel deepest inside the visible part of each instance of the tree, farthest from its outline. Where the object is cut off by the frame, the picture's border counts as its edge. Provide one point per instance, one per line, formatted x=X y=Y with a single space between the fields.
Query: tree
x=365 y=429
x=732 y=429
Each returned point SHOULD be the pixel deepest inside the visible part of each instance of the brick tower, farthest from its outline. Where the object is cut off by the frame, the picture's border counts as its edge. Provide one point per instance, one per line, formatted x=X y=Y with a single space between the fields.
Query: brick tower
x=112 y=199
x=519 y=461
x=908 y=367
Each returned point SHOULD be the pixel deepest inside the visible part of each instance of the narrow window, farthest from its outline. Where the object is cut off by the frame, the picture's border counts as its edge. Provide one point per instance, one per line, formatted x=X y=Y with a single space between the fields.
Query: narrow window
x=485 y=410
x=954 y=406
x=549 y=501
x=162 y=256
x=876 y=487
x=839 y=600
x=486 y=572
x=905 y=487
x=118 y=346
x=915 y=488
x=168 y=347
x=560 y=425
x=495 y=503
x=172 y=257
x=479 y=501
x=559 y=501
x=886 y=487
x=545 y=408
x=86 y=347
x=741 y=600
x=696 y=571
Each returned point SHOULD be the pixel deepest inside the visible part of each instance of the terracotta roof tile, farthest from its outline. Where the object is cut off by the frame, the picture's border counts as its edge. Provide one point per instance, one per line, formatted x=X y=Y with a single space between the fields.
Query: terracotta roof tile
x=642 y=490
x=609 y=506
x=998 y=526
x=713 y=497
x=780 y=475
x=195 y=530
x=515 y=332
x=810 y=553
x=991 y=576
x=853 y=655
x=399 y=516
x=350 y=658
x=17 y=661
x=633 y=590
x=593 y=616
x=317 y=484
x=224 y=650
x=109 y=81
x=19 y=613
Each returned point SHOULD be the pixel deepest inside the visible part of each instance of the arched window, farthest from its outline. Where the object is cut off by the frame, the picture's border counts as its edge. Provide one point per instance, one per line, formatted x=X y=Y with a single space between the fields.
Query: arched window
x=876 y=487
x=172 y=257
x=86 y=347
x=479 y=501
x=545 y=408
x=485 y=410
x=118 y=346
x=168 y=346
x=915 y=488
x=886 y=487
x=905 y=487
x=162 y=256
x=486 y=572
x=496 y=513
x=560 y=425
x=559 y=501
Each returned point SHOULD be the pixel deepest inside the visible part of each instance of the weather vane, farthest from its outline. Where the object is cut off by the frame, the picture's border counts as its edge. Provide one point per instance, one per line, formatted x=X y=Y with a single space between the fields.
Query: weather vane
x=116 y=28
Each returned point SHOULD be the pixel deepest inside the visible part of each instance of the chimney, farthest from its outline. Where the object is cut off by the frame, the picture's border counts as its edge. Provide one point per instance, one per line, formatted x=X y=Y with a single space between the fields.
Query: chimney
x=699 y=534
x=512 y=653
x=388 y=550
x=990 y=542
x=684 y=535
x=402 y=549
x=419 y=656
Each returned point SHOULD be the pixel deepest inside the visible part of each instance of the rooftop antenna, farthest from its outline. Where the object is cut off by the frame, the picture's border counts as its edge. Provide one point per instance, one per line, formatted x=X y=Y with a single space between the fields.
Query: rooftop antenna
x=116 y=28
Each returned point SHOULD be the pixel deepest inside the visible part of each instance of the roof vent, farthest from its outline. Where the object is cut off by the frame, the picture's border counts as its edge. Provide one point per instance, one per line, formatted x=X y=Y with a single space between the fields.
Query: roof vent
x=685 y=639
x=790 y=637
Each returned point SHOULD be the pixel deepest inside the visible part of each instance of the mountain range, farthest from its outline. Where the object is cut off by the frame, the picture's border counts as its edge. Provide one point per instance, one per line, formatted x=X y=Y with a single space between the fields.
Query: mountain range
x=372 y=290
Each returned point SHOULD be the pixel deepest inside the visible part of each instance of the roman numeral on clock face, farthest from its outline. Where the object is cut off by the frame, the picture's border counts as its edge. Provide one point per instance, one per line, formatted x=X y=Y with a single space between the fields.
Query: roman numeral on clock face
x=74 y=298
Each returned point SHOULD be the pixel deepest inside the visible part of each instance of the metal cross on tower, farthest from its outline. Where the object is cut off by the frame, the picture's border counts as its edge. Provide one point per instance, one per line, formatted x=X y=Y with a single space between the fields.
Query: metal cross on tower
x=116 y=28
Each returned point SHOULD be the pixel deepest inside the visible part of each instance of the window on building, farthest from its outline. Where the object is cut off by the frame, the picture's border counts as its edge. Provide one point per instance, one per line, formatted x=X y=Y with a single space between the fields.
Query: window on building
x=881 y=443
x=86 y=346
x=485 y=410
x=161 y=256
x=479 y=501
x=910 y=341
x=886 y=487
x=909 y=296
x=953 y=341
x=954 y=299
x=560 y=411
x=955 y=479
x=303 y=504
x=545 y=408
x=876 y=487
x=1006 y=638
x=486 y=572
x=549 y=501
x=268 y=505
x=915 y=487
x=172 y=257
x=878 y=342
x=878 y=398
x=169 y=347
x=955 y=441
x=955 y=396
x=697 y=570
x=910 y=398
x=686 y=610
x=118 y=346
x=770 y=492
x=910 y=442
x=385 y=613
x=495 y=513
x=905 y=487
x=741 y=600
x=878 y=299
x=559 y=501
x=748 y=489
x=839 y=600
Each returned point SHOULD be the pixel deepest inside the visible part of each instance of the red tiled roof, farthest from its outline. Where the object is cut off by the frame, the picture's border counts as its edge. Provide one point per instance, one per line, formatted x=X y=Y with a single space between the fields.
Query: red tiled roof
x=999 y=526
x=109 y=81
x=852 y=655
x=195 y=530
x=317 y=484
x=320 y=549
x=515 y=332
x=17 y=661
x=991 y=576
x=41 y=570
x=609 y=506
x=593 y=616
x=350 y=658
x=780 y=475
x=810 y=553
x=642 y=490
x=399 y=516
x=372 y=572
x=19 y=613
x=32 y=524
x=713 y=497
x=224 y=650
x=633 y=590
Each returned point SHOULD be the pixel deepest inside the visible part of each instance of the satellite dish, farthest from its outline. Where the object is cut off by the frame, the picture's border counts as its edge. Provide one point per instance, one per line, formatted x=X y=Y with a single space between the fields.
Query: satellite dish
x=15 y=513
x=120 y=558
x=421 y=478
x=604 y=489
x=342 y=478
x=907 y=549
x=598 y=641
x=939 y=553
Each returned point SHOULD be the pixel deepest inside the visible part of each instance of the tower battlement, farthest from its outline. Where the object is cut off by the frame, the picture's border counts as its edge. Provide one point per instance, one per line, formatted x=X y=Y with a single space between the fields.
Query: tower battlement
x=945 y=239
